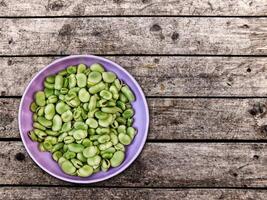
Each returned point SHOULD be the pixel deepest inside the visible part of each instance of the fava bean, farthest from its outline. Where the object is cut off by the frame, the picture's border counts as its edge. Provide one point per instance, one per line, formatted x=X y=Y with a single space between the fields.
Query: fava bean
x=84 y=96
x=128 y=93
x=68 y=167
x=105 y=165
x=81 y=80
x=97 y=88
x=124 y=139
x=96 y=67
x=57 y=155
x=58 y=82
x=94 y=161
x=40 y=98
x=109 y=77
x=85 y=171
x=67 y=116
x=91 y=151
x=57 y=123
x=94 y=78
x=117 y=158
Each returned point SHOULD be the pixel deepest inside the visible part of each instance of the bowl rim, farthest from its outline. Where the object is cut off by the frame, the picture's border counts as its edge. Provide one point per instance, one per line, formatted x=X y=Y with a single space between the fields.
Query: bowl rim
x=141 y=146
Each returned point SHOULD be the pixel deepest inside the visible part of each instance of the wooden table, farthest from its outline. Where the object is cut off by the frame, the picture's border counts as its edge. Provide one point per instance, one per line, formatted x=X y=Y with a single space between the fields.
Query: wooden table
x=202 y=66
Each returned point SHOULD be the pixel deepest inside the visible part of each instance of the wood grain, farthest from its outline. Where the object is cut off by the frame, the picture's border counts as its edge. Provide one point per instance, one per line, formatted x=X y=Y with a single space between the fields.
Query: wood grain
x=163 y=35
x=160 y=76
x=135 y=7
x=172 y=165
x=178 y=119
x=43 y=193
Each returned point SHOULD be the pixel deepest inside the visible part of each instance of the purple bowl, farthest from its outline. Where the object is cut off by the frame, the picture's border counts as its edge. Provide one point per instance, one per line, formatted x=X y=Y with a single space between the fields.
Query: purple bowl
x=44 y=159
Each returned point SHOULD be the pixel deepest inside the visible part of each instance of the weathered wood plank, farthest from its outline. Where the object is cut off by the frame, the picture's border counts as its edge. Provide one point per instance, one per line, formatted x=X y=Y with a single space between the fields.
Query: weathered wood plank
x=44 y=193
x=135 y=7
x=160 y=76
x=160 y=165
x=163 y=35
x=181 y=119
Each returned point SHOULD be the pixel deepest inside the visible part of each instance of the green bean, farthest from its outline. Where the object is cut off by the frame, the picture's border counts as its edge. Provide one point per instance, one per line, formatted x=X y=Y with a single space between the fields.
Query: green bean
x=79 y=134
x=62 y=72
x=91 y=131
x=128 y=93
x=91 y=122
x=49 y=85
x=80 y=125
x=71 y=70
x=106 y=94
x=94 y=161
x=40 y=98
x=117 y=158
x=109 y=77
x=84 y=96
x=39 y=126
x=48 y=92
x=72 y=81
x=49 y=111
x=124 y=139
x=91 y=151
x=43 y=121
x=67 y=116
x=87 y=142
x=75 y=102
x=65 y=83
x=69 y=154
x=77 y=163
x=40 y=111
x=94 y=78
x=111 y=110
x=66 y=126
x=115 y=93
x=103 y=139
x=101 y=131
x=123 y=98
x=81 y=68
x=68 y=167
x=34 y=117
x=52 y=99
x=58 y=82
x=131 y=132
x=50 y=79
x=106 y=122
x=32 y=135
x=81 y=157
x=52 y=133
x=57 y=155
x=105 y=165
x=92 y=103
x=57 y=123
x=105 y=146
x=119 y=147
x=33 y=106
x=61 y=160
x=81 y=80
x=101 y=115
x=121 y=129
x=62 y=136
x=96 y=67
x=97 y=88
x=57 y=147
x=118 y=84
x=114 y=139
x=130 y=122
x=69 y=139
x=77 y=148
x=41 y=147
x=85 y=171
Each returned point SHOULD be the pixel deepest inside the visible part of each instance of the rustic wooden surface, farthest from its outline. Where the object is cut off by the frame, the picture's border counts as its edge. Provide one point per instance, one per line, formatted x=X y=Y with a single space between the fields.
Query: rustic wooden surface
x=172 y=165
x=142 y=35
x=134 y=7
x=202 y=66
x=179 y=119
x=161 y=76
x=44 y=193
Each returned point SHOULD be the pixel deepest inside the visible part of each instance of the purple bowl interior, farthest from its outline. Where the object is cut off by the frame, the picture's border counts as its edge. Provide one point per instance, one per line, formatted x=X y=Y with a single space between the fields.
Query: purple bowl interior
x=44 y=159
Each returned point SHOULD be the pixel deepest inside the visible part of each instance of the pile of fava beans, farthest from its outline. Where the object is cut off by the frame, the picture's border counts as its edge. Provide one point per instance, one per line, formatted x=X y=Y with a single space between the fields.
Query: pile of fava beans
x=84 y=118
